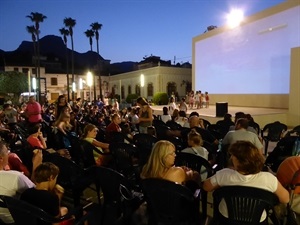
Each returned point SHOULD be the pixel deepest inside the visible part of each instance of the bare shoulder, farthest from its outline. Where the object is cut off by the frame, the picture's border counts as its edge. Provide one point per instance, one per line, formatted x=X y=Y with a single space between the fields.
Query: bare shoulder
x=176 y=174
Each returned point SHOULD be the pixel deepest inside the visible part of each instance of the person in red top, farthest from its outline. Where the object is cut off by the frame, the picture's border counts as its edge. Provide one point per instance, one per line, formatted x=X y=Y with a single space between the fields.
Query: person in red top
x=36 y=139
x=113 y=126
x=33 y=111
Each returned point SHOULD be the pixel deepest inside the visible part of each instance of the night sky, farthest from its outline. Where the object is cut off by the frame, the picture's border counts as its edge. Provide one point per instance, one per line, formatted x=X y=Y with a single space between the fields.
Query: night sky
x=132 y=29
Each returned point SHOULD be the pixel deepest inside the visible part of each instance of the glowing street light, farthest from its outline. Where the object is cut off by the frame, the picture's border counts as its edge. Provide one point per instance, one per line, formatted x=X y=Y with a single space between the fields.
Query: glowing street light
x=89 y=81
x=34 y=83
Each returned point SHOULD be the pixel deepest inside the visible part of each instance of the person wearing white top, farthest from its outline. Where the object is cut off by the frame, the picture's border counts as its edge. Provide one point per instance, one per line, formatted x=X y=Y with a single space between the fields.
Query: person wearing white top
x=172 y=106
x=165 y=116
x=12 y=183
x=247 y=162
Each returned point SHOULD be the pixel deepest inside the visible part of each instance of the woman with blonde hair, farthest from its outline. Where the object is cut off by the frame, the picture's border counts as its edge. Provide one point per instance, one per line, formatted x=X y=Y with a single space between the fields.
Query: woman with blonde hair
x=63 y=121
x=161 y=165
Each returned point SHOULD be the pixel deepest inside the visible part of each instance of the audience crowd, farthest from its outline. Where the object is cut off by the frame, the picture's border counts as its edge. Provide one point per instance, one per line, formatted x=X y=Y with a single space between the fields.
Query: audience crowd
x=31 y=132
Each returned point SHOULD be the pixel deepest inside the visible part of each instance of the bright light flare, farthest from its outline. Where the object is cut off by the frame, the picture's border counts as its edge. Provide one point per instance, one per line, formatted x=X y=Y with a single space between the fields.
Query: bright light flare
x=89 y=79
x=235 y=17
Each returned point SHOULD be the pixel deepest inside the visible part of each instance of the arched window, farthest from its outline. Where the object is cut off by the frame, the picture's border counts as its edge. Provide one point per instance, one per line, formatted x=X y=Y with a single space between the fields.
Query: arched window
x=129 y=89
x=122 y=92
x=138 y=90
x=171 y=88
x=150 y=89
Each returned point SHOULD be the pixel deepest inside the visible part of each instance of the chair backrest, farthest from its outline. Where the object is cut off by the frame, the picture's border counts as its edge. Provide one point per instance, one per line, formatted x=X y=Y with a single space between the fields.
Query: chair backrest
x=275 y=130
x=24 y=213
x=282 y=150
x=123 y=154
x=69 y=171
x=110 y=181
x=245 y=205
x=87 y=155
x=173 y=125
x=195 y=162
x=169 y=203
x=144 y=143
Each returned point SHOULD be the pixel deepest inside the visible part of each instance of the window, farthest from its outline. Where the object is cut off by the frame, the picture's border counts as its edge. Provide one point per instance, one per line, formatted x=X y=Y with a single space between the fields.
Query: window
x=122 y=92
x=150 y=89
x=34 y=71
x=171 y=88
x=53 y=81
x=25 y=70
x=138 y=90
x=16 y=69
x=129 y=89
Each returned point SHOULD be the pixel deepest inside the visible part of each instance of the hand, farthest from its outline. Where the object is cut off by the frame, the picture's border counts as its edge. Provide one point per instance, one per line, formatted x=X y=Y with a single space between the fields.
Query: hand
x=37 y=158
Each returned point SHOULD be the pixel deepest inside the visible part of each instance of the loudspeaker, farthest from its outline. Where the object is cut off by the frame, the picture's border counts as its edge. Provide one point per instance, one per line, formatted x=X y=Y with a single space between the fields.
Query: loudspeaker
x=221 y=109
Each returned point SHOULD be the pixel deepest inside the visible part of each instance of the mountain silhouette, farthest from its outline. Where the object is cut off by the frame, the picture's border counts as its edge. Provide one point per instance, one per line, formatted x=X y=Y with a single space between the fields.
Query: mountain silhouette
x=53 y=58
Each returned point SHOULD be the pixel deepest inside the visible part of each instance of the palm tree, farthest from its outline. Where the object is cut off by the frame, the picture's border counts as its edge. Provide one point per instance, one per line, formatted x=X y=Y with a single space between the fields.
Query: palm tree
x=63 y=31
x=37 y=18
x=31 y=30
x=70 y=23
x=96 y=27
x=90 y=34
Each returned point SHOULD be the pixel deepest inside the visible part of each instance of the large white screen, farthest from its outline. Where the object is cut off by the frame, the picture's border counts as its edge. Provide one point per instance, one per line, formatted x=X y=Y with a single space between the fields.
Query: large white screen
x=250 y=59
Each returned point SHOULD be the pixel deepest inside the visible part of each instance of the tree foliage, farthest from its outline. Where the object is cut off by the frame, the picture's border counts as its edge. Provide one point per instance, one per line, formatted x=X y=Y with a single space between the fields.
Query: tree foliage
x=13 y=82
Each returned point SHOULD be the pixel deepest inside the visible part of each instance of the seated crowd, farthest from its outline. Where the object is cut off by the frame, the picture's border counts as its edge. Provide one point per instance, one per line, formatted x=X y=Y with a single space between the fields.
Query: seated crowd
x=235 y=147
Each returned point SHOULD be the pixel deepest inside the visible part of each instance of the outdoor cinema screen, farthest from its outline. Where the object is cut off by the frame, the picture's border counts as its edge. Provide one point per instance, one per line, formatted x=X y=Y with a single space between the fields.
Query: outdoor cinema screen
x=253 y=58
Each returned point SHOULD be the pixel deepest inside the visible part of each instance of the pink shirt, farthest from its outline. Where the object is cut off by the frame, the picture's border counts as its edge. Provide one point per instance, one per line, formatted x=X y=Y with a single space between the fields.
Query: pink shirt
x=34 y=110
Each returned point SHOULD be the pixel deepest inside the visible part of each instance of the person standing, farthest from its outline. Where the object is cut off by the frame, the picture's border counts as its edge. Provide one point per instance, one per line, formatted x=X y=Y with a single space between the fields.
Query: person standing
x=172 y=106
x=11 y=115
x=33 y=111
x=145 y=115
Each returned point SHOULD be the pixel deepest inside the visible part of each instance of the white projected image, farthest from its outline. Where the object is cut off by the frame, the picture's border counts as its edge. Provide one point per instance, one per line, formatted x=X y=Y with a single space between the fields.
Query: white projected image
x=250 y=59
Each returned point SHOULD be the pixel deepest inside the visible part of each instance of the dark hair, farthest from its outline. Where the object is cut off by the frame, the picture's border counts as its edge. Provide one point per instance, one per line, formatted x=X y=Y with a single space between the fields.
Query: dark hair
x=151 y=130
x=194 y=113
x=182 y=113
x=35 y=128
x=243 y=123
x=251 y=160
x=165 y=110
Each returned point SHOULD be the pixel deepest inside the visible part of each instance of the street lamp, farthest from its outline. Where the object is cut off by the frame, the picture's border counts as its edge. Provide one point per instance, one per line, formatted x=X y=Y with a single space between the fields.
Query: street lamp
x=142 y=83
x=89 y=81
x=34 y=84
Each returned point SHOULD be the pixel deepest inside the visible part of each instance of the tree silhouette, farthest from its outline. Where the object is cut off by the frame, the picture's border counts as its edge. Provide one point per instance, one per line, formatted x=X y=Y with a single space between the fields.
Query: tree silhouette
x=70 y=23
x=63 y=31
x=37 y=18
x=96 y=27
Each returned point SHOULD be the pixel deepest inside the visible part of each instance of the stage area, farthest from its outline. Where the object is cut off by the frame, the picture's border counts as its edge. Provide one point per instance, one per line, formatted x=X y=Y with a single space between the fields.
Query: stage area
x=262 y=116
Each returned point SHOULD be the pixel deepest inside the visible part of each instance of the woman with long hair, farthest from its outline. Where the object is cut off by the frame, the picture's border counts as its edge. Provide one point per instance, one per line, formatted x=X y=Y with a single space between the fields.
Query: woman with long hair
x=161 y=165
x=89 y=135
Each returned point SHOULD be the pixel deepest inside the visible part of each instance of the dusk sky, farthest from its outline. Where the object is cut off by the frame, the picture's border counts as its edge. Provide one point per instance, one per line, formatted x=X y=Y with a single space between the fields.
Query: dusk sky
x=132 y=29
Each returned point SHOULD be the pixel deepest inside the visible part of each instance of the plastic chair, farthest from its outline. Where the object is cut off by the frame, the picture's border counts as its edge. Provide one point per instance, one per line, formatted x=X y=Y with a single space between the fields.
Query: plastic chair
x=274 y=133
x=24 y=213
x=202 y=166
x=173 y=125
x=124 y=156
x=72 y=177
x=169 y=203
x=245 y=205
x=110 y=182
x=144 y=143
